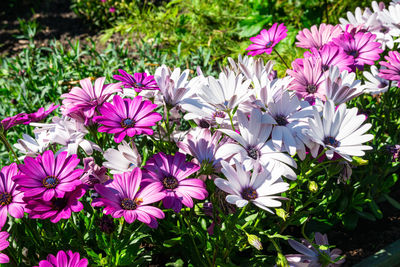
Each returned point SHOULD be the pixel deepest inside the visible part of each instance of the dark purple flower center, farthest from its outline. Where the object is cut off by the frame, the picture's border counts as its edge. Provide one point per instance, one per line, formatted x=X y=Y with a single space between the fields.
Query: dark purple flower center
x=50 y=182
x=384 y=30
x=219 y=114
x=329 y=140
x=353 y=53
x=269 y=44
x=281 y=120
x=130 y=204
x=59 y=203
x=128 y=123
x=252 y=152
x=170 y=182
x=138 y=84
x=311 y=88
x=249 y=193
x=5 y=199
x=325 y=68
x=382 y=85
x=204 y=124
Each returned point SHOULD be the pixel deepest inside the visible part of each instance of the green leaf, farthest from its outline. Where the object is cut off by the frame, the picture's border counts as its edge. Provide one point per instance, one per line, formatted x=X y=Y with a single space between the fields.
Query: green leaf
x=375 y=209
x=171 y=242
x=350 y=221
x=366 y=215
x=392 y=201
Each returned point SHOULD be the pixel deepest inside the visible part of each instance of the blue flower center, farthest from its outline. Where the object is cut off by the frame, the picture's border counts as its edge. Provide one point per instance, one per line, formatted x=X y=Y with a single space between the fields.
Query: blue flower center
x=269 y=44
x=128 y=123
x=249 y=193
x=129 y=204
x=170 y=182
x=138 y=84
x=50 y=182
x=281 y=120
x=353 y=53
x=252 y=152
x=5 y=199
x=329 y=140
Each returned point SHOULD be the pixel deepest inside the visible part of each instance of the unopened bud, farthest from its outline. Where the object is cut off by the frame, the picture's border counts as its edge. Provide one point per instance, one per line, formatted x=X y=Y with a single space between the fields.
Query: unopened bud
x=255 y=241
x=313 y=187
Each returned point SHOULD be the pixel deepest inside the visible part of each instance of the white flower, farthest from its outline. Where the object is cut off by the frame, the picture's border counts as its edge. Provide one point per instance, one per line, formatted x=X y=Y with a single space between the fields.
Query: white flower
x=270 y=91
x=366 y=20
x=259 y=188
x=340 y=131
x=32 y=147
x=342 y=86
x=125 y=159
x=254 y=70
x=374 y=84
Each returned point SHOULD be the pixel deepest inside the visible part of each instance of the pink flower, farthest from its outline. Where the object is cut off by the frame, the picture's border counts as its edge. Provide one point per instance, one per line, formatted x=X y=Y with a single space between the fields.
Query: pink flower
x=93 y=173
x=56 y=208
x=47 y=176
x=3 y=245
x=266 y=40
x=169 y=174
x=127 y=117
x=317 y=38
x=392 y=73
x=41 y=113
x=112 y=9
x=10 y=198
x=122 y=197
x=86 y=99
x=18 y=119
x=69 y=259
x=332 y=55
x=361 y=47
x=139 y=81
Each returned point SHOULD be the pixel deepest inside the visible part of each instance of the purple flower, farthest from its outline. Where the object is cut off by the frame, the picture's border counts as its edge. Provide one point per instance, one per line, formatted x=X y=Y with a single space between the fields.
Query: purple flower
x=392 y=73
x=69 y=259
x=122 y=197
x=93 y=173
x=317 y=37
x=395 y=152
x=47 y=177
x=169 y=174
x=57 y=208
x=267 y=39
x=10 y=198
x=41 y=113
x=18 y=119
x=127 y=117
x=86 y=99
x=361 y=47
x=3 y=245
x=332 y=55
x=139 y=81
x=112 y=9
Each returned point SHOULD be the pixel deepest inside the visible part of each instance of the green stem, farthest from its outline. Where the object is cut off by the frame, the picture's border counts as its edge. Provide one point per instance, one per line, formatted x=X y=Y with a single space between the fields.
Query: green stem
x=284 y=62
x=191 y=238
x=9 y=147
x=231 y=119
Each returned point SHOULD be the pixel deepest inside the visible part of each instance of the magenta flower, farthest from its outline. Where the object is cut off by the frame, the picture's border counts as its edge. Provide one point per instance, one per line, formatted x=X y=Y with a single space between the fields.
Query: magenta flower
x=18 y=119
x=93 y=173
x=361 y=47
x=122 y=197
x=57 y=208
x=127 y=117
x=10 y=198
x=169 y=174
x=308 y=79
x=317 y=38
x=3 y=245
x=139 y=81
x=47 y=177
x=41 y=113
x=69 y=259
x=392 y=73
x=89 y=97
x=266 y=40
x=112 y=9
x=332 y=55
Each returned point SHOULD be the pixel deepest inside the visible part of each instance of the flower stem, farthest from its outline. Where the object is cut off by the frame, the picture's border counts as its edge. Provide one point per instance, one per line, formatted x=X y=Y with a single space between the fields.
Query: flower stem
x=284 y=62
x=9 y=147
x=231 y=119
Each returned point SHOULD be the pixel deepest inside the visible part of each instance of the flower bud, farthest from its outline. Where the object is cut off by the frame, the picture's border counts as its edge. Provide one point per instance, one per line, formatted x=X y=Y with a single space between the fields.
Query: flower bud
x=313 y=187
x=255 y=241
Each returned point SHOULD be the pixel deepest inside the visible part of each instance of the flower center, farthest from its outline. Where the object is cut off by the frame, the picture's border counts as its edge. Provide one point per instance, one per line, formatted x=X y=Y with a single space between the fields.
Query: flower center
x=325 y=68
x=269 y=44
x=382 y=85
x=5 y=199
x=138 y=85
x=204 y=124
x=127 y=123
x=170 y=182
x=129 y=204
x=249 y=193
x=353 y=53
x=384 y=30
x=311 y=88
x=281 y=120
x=50 y=181
x=219 y=114
x=329 y=140
x=252 y=153
x=59 y=203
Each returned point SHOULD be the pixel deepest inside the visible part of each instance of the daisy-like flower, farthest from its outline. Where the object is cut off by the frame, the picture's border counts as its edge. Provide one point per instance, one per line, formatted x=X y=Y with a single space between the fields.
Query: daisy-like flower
x=267 y=39
x=310 y=256
x=93 y=173
x=308 y=79
x=365 y=20
x=56 y=208
x=138 y=81
x=125 y=159
x=270 y=91
x=373 y=83
x=127 y=117
x=10 y=198
x=361 y=46
x=64 y=259
x=41 y=113
x=340 y=131
x=12 y=121
x=3 y=245
x=47 y=176
x=254 y=69
x=253 y=150
x=342 y=86
x=258 y=188
x=392 y=73
x=32 y=147
x=332 y=55
x=89 y=97
x=317 y=37
x=122 y=197
x=169 y=174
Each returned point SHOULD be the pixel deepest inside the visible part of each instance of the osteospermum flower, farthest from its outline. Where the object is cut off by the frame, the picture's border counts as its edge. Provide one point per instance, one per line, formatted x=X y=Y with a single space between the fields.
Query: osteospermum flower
x=127 y=117
x=62 y=259
x=93 y=173
x=267 y=39
x=48 y=176
x=123 y=159
x=12 y=121
x=392 y=73
x=340 y=131
x=89 y=97
x=41 y=113
x=32 y=147
x=373 y=83
x=360 y=46
x=10 y=198
x=138 y=81
x=169 y=173
x=3 y=245
x=317 y=37
x=56 y=208
x=122 y=197
x=332 y=55
x=258 y=188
